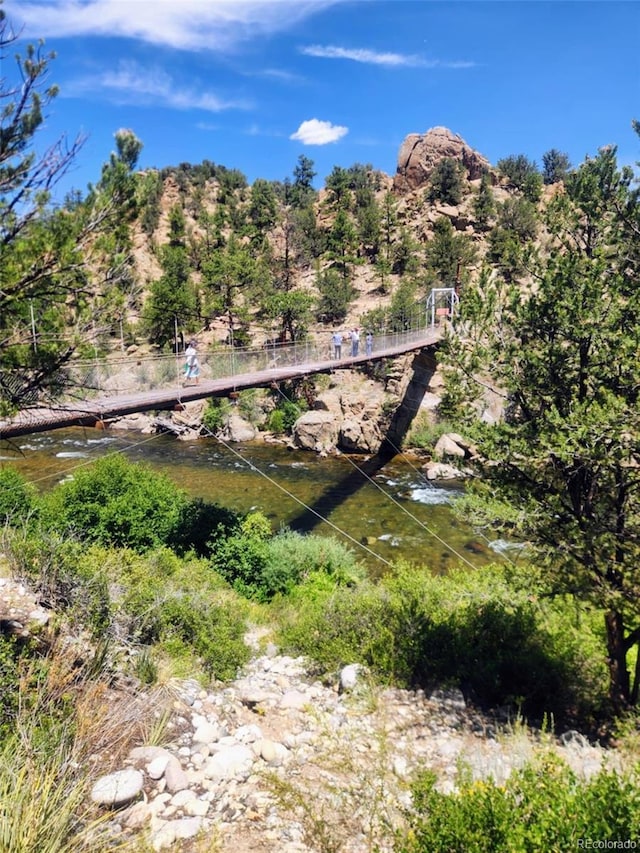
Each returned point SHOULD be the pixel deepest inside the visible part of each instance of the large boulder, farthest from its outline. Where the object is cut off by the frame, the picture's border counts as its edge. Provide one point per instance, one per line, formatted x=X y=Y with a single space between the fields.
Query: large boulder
x=359 y=436
x=447 y=445
x=316 y=431
x=237 y=429
x=421 y=152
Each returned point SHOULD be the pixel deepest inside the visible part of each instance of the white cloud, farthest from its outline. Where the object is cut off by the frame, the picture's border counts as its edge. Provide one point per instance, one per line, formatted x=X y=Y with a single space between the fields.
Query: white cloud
x=374 y=57
x=278 y=74
x=258 y=130
x=130 y=83
x=187 y=24
x=316 y=132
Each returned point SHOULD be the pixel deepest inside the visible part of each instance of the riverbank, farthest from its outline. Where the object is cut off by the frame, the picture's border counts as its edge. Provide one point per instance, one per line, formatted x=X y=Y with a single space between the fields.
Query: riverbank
x=279 y=759
x=387 y=512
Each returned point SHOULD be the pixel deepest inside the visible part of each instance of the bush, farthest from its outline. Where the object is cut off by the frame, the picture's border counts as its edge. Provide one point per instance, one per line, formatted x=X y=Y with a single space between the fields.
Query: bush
x=292 y=558
x=488 y=635
x=242 y=557
x=67 y=575
x=115 y=502
x=260 y=566
x=216 y=414
x=183 y=607
x=210 y=628
x=543 y=806
x=424 y=434
x=276 y=422
x=144 y=600
x=17 y=497
x=200 y=525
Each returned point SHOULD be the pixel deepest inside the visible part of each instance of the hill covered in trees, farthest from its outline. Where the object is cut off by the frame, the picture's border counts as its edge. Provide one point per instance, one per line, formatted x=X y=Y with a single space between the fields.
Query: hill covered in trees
x=143 y=258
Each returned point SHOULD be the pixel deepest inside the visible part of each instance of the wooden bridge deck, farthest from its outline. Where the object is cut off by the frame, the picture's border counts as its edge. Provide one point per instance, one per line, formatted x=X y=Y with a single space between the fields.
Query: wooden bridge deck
x=92 y=412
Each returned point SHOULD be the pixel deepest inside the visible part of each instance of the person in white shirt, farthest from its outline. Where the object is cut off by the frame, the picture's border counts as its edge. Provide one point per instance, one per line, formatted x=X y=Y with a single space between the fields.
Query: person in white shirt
x=192 y=365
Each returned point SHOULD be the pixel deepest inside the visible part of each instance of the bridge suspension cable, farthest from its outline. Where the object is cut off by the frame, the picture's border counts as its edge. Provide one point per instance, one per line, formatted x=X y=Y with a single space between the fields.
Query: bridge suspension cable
x=418 y=521
x=305 y=506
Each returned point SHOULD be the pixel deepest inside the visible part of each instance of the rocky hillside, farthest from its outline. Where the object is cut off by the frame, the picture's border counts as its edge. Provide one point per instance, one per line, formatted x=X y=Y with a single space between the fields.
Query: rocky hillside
x=236 y=264
x=438 y=178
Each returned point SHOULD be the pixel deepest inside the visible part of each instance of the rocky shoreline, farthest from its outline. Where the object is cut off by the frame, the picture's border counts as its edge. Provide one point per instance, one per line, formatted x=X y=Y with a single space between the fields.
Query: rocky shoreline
x=281 y=759
x=277 y=758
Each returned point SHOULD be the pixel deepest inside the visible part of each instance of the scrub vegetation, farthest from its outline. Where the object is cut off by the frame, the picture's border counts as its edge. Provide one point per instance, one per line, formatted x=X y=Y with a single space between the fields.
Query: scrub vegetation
x=150 y=585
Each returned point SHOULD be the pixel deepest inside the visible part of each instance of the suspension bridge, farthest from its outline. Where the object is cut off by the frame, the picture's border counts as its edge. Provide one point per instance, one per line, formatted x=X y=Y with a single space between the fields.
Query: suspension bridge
x=115 y=387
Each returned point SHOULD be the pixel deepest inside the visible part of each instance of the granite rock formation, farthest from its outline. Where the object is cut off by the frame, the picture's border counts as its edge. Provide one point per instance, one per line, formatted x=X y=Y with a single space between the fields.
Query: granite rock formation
x=421 y=152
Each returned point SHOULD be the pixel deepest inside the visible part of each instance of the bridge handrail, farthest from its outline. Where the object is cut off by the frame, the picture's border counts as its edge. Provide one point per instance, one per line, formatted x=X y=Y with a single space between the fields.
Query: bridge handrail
x=131 y=374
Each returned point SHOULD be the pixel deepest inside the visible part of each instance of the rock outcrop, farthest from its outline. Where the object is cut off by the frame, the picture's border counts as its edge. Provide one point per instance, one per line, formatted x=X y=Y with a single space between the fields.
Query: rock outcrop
x=316 y=431
x=420 y=153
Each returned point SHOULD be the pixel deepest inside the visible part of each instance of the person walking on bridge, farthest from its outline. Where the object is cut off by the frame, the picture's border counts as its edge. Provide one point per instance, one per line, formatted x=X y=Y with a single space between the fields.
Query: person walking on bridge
x=355 y=341
x=368 y=342
x=192 y=365
x=336 y=340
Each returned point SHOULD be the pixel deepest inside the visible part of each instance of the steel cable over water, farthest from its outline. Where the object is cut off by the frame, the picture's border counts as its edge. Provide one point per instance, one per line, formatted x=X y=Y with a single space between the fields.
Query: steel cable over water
x=305 y=506
x=297 y=500
x=404 y=509
x=246 y=461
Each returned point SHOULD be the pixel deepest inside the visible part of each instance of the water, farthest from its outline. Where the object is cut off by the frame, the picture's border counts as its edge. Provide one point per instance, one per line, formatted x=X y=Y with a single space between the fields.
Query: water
x=393 y=513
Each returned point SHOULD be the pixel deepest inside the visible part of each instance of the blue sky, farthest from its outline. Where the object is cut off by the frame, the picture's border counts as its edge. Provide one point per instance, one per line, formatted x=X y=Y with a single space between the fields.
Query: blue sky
x=253 y=85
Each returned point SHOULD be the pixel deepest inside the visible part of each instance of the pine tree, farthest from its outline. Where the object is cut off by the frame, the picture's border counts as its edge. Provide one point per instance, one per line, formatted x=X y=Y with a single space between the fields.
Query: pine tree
x=51 y=301
x=171 y=302
x=342 y=241
x=302 y=192
x=484 y=205
x=231 y=278
x=446 y=181
x=448 y=255
x=556 y=165
x=565 y=458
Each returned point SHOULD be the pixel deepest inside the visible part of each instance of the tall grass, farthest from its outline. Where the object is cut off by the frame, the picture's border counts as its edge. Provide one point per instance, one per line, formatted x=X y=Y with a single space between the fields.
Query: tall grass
x=44 y=801
x=70 y=726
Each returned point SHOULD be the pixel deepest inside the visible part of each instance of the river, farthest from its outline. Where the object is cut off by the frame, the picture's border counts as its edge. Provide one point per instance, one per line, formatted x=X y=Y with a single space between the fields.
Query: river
x=386 y=514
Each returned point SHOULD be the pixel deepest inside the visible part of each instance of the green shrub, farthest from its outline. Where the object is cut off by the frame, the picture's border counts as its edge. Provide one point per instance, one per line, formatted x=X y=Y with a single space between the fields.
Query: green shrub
x=67 y=575
x=250 y=405
x=492 y=637
x=211 y=628
x=17 y=497
x=139 y=599
x=180 y=605
x=336 y=626
x=242 y=557
x=424 y=434
x=284 y=416
x=276 y=422
x=200 y=525
x=216 y=414
x=292 y=557
x=543 y=806
x=115 y=502
x=10 y=653
x=259 y=565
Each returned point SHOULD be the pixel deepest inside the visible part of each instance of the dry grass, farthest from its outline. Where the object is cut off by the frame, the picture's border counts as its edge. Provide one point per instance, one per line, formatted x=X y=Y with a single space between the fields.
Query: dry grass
x=72 y=724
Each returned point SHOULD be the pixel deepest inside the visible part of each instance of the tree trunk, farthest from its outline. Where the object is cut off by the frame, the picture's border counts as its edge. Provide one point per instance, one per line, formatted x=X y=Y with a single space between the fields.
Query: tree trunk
x=618 y=672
